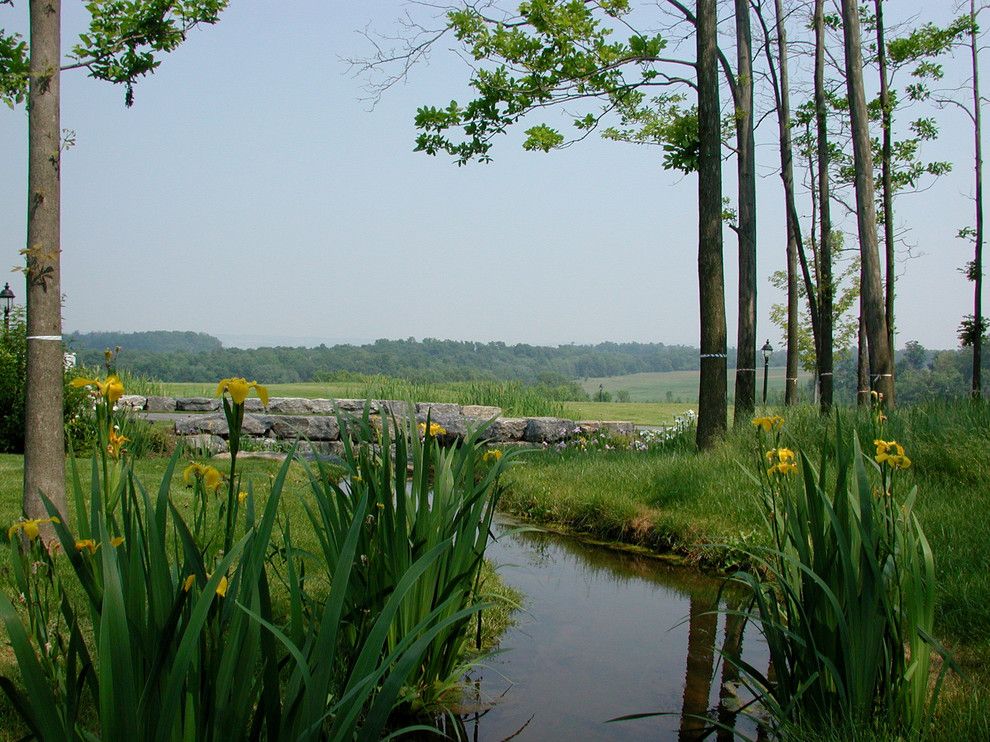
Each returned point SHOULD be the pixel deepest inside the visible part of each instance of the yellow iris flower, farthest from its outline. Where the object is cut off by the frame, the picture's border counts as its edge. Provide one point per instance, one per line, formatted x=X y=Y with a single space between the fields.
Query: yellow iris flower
x=29 y=527
x=493 y=455
x=86 y=544
x=209 y=476
x=221 y=586
x=115 y=446
x=111 y=388
x=435 y=430
x=781 y=461
x=238 y=389
x=892 y=454
x=768 y=423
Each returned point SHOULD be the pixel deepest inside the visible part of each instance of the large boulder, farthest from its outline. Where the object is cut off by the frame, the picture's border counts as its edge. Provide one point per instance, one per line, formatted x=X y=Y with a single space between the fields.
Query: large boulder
x=321 y=406
x=253 y=404
x=288 y=406
x=197 y=424
x=436 y=408
x=484 y=412
x=313 y=427
x=507 y=429
x=354 y=405
x=197 y=404
x=395 y=408
x=160 y=404
x=548 y=429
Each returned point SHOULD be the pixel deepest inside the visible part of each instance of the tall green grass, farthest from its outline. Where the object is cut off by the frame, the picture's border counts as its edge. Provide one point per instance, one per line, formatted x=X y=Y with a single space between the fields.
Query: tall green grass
x=845 y=598
x=164 y=628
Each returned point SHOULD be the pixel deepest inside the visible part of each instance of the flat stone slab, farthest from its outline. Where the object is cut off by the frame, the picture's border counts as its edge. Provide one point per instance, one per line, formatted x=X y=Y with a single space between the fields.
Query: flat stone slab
x=548 y=429
x=159 y=404
x=197 y=404
x=485 y=412
x=618 y=427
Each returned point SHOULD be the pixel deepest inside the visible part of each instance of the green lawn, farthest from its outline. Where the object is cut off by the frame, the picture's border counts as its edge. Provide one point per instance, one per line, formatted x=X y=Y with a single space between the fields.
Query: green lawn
x=678 y=387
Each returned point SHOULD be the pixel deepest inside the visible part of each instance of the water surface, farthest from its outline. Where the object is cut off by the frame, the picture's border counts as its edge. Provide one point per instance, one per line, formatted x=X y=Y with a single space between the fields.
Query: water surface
x=603 y=634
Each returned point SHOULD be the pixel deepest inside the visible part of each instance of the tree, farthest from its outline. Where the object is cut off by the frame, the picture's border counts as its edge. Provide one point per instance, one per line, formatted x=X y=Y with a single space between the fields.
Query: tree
x=880 y=353
x=745 y=399
x=826 y=287
x=120 y=46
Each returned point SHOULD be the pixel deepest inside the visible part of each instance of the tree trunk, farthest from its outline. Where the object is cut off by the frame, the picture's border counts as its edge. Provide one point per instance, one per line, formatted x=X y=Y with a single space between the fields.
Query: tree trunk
x=881 y=360
x=886 y=164
x=826 y=291
x=44 y=444
x=711 y=283
x=745 y=397
x=794 y=246
x=977 y=388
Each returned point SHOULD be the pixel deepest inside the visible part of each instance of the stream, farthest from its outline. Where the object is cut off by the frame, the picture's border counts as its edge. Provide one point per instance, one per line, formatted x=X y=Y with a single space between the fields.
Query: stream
x=604 y=634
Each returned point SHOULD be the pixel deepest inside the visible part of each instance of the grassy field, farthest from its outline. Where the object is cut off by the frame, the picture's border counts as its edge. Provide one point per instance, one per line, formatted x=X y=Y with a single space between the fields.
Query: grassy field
x=705 y=506
x=678 y=387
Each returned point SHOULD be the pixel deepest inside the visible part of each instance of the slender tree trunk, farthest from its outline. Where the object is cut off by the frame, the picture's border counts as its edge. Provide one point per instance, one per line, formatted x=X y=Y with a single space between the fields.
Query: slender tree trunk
x=881 y=360
x=826 y=291
x=886 y=164
x=712 y=404
x=794 y=246
x=745 y=397
x=44 y=444
x=977 y=388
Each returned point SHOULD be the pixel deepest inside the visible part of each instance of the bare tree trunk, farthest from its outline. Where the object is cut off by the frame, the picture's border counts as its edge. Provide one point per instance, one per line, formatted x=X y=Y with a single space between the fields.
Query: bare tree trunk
x=977 y=272
x=44 y=436
x=881 y=361
x=825 y=289
x=745 y=397
x=712 y=404
x=887 y=195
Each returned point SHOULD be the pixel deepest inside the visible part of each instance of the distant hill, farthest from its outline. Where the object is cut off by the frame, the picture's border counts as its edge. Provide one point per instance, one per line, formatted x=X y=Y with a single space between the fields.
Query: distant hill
x=428 y=360
x=155 y=341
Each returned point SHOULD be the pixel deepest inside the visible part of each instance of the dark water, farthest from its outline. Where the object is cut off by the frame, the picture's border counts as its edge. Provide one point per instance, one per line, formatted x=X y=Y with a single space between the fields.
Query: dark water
x=603 y=634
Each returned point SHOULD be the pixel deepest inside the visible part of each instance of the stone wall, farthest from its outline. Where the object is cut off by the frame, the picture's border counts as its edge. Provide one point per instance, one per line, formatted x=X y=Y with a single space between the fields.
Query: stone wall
x=315 y=420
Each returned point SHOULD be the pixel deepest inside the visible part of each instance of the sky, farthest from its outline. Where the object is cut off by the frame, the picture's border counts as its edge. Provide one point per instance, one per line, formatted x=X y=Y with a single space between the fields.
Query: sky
x=252 y=192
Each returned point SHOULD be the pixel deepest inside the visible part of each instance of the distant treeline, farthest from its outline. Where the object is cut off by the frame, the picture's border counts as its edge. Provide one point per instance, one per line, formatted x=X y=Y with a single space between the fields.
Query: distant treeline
x=157 y=341
x=425 y=360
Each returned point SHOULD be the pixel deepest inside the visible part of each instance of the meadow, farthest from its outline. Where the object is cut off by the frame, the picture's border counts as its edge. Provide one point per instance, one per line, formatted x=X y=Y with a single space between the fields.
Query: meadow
x=679 y=387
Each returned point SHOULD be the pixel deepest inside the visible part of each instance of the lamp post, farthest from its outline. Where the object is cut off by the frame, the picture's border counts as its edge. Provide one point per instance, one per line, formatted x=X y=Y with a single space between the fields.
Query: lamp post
x=8 y=298
x=767 y=352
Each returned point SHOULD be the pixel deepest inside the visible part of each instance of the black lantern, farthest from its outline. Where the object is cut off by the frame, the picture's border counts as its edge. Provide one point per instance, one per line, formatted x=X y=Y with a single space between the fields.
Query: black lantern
x=767 y=352
x=8 y=298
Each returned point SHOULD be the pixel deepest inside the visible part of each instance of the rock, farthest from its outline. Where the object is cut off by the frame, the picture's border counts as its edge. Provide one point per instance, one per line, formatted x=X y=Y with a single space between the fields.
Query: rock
x=354 y=405
x=257 y=425
x=313 y=427
x=196 y=424
x=253 y=404
x=321 y=406
x=548 y=429
x=197 y=404
x=394 y=408
x=288 y=406
x=506 y=429
x=453 y=423
x=160 y=404
x=208 y=444
x=437 y=408
x=481 y=411
x=132 y=402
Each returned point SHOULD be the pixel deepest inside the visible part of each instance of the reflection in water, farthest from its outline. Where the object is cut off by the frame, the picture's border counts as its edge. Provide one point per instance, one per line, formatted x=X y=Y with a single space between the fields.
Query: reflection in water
x=604 y=634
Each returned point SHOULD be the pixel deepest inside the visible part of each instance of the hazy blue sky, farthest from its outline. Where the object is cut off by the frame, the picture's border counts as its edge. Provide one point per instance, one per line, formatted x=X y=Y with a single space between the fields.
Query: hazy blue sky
x=250 y=192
